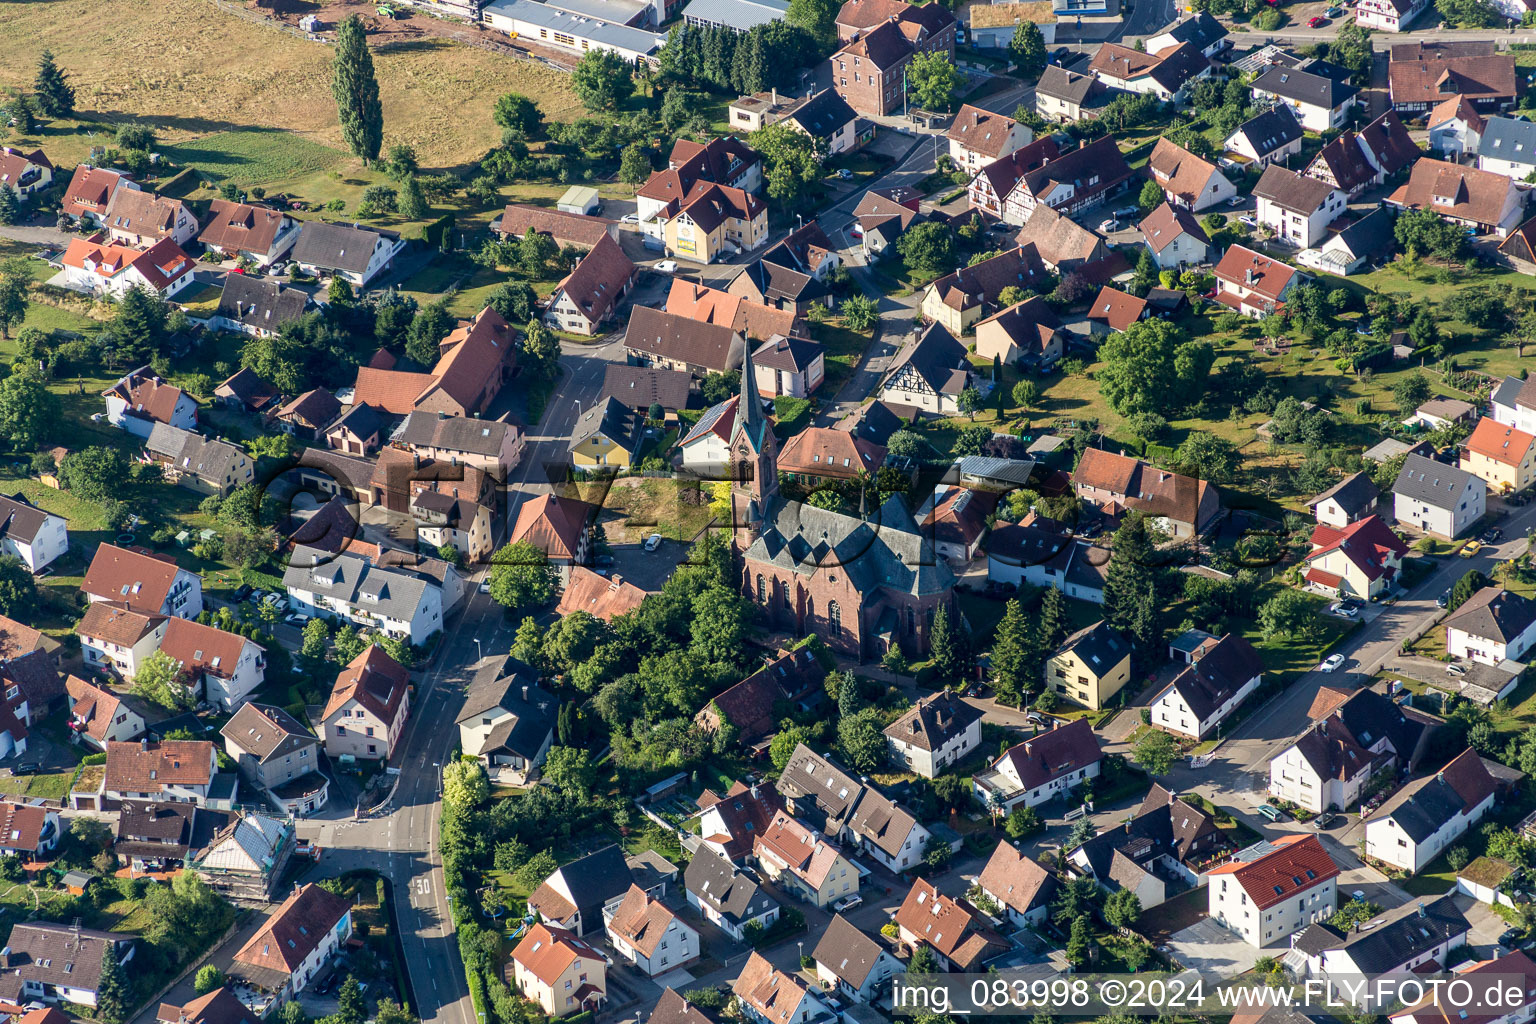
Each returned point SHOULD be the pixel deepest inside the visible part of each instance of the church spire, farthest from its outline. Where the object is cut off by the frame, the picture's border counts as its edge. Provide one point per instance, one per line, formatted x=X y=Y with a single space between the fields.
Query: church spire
x=754 y=452
x=749 y=407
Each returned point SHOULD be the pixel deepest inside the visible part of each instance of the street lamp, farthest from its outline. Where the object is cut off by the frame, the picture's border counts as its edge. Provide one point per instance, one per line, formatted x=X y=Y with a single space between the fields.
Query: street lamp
x=479 y=655
x=578 y=405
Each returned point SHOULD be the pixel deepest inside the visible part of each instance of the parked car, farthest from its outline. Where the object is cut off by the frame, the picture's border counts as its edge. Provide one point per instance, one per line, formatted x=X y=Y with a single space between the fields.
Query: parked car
x=1316 y=21
x=1510 y=937
x=1445 y=598
x=26 y=768
x=485 y=586
x=1236 y=201
x=1471 y=548
x=1036 y=718
x=1358 y=895
x=845 y=174
x=665 y=267
x=296 y=619
x=1343 y=608
x=1109 y=225
x=1334 y=12
x=848 y=903
x=1248 y=221
x=241 y=593
x=603 y=561
x=1492 y=535
x=653 y=542
x=630 y=218
x=1323 y=821
x=1455 y=670
x=1330 y=663
x=1271 y=812
x=1127 y=211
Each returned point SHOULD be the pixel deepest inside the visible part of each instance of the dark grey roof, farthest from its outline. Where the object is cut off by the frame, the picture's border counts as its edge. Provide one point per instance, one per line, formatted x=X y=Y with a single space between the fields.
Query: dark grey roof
x=933 y=721
x=1404 y=934
x=338 y=246
x=876 y=422
x=823 y=115
x=935 y=357
x=260 y=302
x=1433 y=483
x=1509 y=138
x=847 y=952
x=595 y=879
x=1218 y=674
x=1100 y=645
x=1180 y=66
x=20 y=519
x=1495 y=614
x=640 y=386
x=715 y=882
x=194 y=454
x=1274 y=129
x=1202 y=30
x=1354 y=494
x=1304 y=87
x=885 y=551
x=1421 y=807
x=1369 y=716
x=810 y=776
x=56 y=954
x=614 y=420
x=266 y=731
x=1058 y=83
x=532 y=709
x=346 y=577
x=1507 y=391
x=362 y=419
x=455 y=433
x=1012 y=472
x=1315 y=938
x=1291 y=191
x=1371 y=234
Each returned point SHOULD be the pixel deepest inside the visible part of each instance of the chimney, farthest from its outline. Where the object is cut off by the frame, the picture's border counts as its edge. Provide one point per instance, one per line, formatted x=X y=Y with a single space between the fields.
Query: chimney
x=1421 y=910
x=144 y=744
x=775 y=96
x=525 y=692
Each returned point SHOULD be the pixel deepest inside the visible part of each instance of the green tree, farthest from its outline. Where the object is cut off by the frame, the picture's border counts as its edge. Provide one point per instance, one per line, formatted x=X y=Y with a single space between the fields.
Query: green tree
x=1155 y=752
x=356 y=91
x=1053 y=619
x=932 y=80
x=55 y=95
x=18 y=589
x=791 y=163
x=1288 y=613
x=1467 y=13
x=923 y=960
x=1083 y=829
x=517 y=113
x=1025 y=393
x=413 y=204
x=27 y=409
x=1208 y=456
x=1122 y=908
x=465 y=784
x=571 y=771
x=719 y=625
x=348 y=644
x=431 y=326
x=928 y=248
x=1078 y=942
x=602 y=80
x=1411 y=391
x=783 y=746
x=1015 y=655
x=818 y=17
x=1151 y=366
x=860 y=312
x=1021 y=822
x=139 y=324
x=14 y=276
x=1150 y=197
x=113 y=992
x=390 y=1012
x=159 y=681
x=1470 y=583
x=350 y=1005
x=316 y=635
x=945 y=645
x=208 y=978
x=861 y=741
x=1027 y=47
x=10 y=204
x=94 y=474
x=634 y=165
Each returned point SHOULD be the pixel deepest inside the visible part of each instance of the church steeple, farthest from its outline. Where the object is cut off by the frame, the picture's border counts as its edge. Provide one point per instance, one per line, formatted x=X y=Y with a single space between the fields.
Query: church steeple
x=754 y=452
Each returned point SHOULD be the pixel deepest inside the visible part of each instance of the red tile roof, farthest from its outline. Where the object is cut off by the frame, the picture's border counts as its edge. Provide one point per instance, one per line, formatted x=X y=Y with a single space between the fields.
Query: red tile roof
x=110 y=622
x=1270 y=276
x=552 y=524
x=298 y=927
x=1116 y=308
x=1367 y=543
x=1492 y=439
x=240 y=227
x=374 y=680
x=546 y=952
x=1051 y=755
x=1296 y=864
x=21 y=826
x=89 y=190
x=130 y=576
x=147 y=767
x=601 y=597
x=200 y=648
x=824 y=451
x=94 y=705
x=948 y=926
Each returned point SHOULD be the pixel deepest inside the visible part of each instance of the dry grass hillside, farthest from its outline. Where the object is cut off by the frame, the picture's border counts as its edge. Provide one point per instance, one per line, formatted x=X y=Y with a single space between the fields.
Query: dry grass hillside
x=191 y=68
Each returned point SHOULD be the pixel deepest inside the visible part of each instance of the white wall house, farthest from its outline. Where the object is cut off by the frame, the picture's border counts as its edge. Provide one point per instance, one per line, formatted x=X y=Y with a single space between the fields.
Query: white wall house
x=648 y=934
x=1266 y=897
x=349 y=588
x=117 y=640
x=1492 y=626
x=30 y=534
x=1388 y=15
x=98 y=268
x=1426 y=817
x=1400 y=941
x=939 y=731
x=1294 y=776
x=1043 y=768
x=1297 y=209
x=1202 y=696
x=1437 y=499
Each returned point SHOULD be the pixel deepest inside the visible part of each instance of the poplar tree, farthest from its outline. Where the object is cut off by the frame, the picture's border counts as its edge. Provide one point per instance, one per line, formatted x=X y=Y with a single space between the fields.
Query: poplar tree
x=357 y=91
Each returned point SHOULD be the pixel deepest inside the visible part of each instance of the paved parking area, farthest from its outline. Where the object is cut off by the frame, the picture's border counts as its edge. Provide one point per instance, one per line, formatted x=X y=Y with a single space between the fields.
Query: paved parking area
x=1208 y=947
x=648 y=570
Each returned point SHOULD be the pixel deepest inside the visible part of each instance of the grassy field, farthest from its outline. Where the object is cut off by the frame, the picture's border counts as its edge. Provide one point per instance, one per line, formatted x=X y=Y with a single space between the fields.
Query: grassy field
x=192 y=70
x=256 y=156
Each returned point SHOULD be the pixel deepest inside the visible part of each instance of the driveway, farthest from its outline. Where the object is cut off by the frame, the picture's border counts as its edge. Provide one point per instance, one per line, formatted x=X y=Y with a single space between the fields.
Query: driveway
x=1207 y=947
x=647 y=570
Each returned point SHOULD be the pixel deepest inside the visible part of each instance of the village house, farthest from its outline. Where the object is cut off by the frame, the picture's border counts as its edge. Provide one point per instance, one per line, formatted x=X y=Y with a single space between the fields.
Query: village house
x=143 y=582
x=831 y=123
x=1044 y=553
x=258 y=306
x=1273 y=889
x=358 y=431
x=1219 y=678
x=788 y=367
x=938 y=731
x=790 y=276
x=1491 y=626
x=793 y=677
x=1388 y=15
x=140 y=399
x=1515 y=965
x=1359 y=160
x=244 y=231
x=1513 y=403
x=1090 y=666
x=1437 y=499
x=1188 y=181
x=1423 y=75
x=1483 y=201
x=818 y=454
x=573 y=897
x=1364 y=243
x=27 y=173
x=768 y=995
x=1319 y=102
x=557 y=527
x=932 y=376
x=1168 y=840
x=278 y=754
x=30 y=534
x=590 y=294
x=508 y=722
x=1113 y=310
x=602 y=597
x=1179 y=505
x=350 y=588
x=1353 y=736
x=198 y=463
x=608 y=434
x=958 y=935
x=221 y=1006
x=1070 y=183
x=957 y=300
x=883 y=216
x=220 y=667
x=98 y=716
x=1346 y=502
x=851 y=963
x=240 y=855
x=1201 y=30
x=661 y=339
x=567 y=230
x=1064 y=97
x=1166 y=73
x=989 y=190
x=112 y=270
x=368 y=707
x=308 y=415
x=869 y=70
x=801 y=862
x=1028 y=335
x=1043 y=768
x=1427 y=816
x=1062 y=244
x=749 y=314
x=820 y=793
x=1173 y=236
x=60 y=963
x=648 y=934
x=154 y=836
x=1253 y=284
x=726 y=897
x=957 y=519
x=1503 y=457
x=1273 y=136
x=294 y=944
x=1455 y=129
x=1297 y=209
x=1358 y=561
x=1414 y=935
x=90 y=192
x=169 y=771
x=139 y=219
x=1018 y=884
x=1504 y=147
x=349 y=251
x=977 y=137
x=494 y=447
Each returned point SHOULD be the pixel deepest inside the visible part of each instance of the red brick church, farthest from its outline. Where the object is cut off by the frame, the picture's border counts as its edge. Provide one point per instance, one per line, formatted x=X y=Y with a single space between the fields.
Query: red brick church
x=862 y=585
